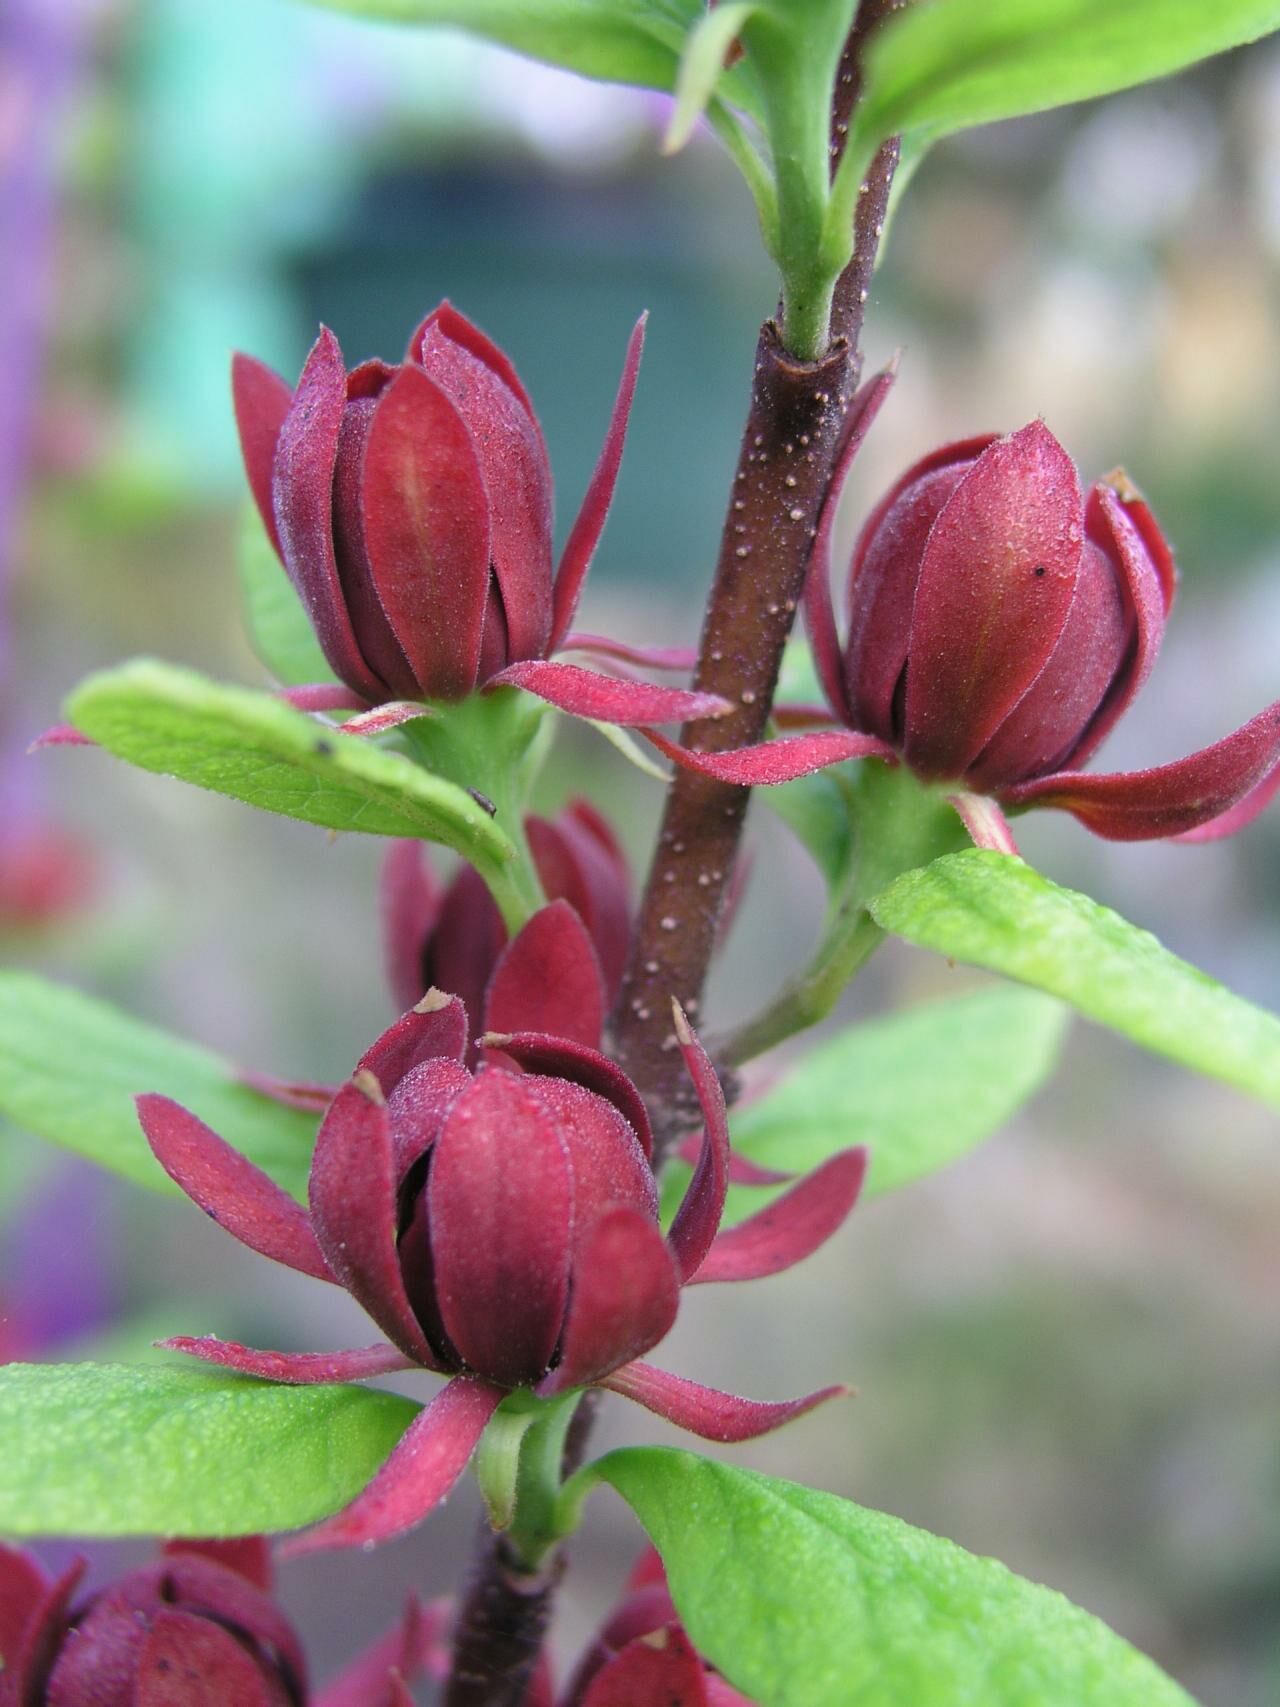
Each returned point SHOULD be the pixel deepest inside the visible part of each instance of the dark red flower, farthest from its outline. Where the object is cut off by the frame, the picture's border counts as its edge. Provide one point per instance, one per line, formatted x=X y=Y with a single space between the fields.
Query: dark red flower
x=452 y=937
x=643 y=1658
x=412 y=508
x=1000 y=622
x=501 y=1228
x=197 y=1627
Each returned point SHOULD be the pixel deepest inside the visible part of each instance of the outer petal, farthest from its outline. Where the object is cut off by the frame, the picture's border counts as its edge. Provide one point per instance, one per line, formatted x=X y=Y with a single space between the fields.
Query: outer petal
x=698 y=1216
x=548 y=979
x=468 y=939
x=626 y=1292
x=1236 y=817
x=187 y=1661
x=819 y=614
x=407 y=1650
x=776 y=761
x=606 y=699
x=353 y=1209
x=293 y=1368
x=433 y=1030
x=537 y=1052
x=610 y=1168
x=580 y=862
x=1190 y=794
x=996 y=584
x=418 y=1108
x=703 y=1410
x=23 y=1590
x=791 y=1228
x=500 y=1206
x=661 y=1669
x=986 y=823
x=409 y=900
x=454 y=325
x=261 y=401
x=302 y=500
x=27 y=1661
x=517 y=478
x=426 y=529
x=228 y=1187
x=249 y=1556
x=584 y=536
x=683 y=658
x=425 y=1463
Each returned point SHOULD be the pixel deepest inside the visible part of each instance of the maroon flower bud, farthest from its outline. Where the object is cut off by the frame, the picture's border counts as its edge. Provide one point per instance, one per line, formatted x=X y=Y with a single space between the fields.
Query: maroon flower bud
x=412 y=508
x=453 y=937
x=199 y=1626
x=499 y=1227
x=1000 y=622
x=642 y=1657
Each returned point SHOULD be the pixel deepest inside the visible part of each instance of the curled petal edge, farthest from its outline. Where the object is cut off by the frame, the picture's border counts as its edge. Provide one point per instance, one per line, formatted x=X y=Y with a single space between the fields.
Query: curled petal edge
x=779 y=761
x=705 y=1411
x=607 y=699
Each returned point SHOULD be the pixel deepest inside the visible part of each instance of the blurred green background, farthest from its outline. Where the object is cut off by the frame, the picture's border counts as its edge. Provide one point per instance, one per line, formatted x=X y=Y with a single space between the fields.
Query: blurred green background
x=1067 y=1347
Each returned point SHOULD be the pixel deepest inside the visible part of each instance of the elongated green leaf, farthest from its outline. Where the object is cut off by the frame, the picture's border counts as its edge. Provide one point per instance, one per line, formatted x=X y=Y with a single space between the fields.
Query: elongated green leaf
x=944 y=65
x=278 y=625
x=255 y=748
x=701 y=67
x=71 y=1066
x=805 y=1600
x=106 y=1449
x=995 y=911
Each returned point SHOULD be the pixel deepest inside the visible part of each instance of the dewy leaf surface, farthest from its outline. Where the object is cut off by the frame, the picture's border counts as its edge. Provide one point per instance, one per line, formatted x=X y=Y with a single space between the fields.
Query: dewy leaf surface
x=806 y=1600
x=70 y=1067
x=995 y=911
x=257 y=749
x=279 y=627
x=946 y=65
x=104 y=1449
x=919 y=1088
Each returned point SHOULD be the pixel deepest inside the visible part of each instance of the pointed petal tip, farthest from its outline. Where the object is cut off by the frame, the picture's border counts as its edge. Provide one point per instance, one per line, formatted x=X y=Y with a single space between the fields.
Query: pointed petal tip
x=707 y=1412
x=367 y=1084
x=434 y=1002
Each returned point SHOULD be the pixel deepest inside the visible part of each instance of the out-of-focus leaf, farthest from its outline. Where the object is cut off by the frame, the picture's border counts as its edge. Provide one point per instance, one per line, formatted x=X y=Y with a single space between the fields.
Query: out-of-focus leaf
x=805 y=1600
x=701 y=66
x=70 y=1067
x=279 y=627
x=995 y=911
x=106 y=1449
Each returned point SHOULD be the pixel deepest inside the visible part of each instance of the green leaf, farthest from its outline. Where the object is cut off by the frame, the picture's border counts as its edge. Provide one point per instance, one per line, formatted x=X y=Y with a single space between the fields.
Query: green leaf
x=805 y=1600
x=258 y=749
x=701 y=67
x=105 y=1449
x=71 y=1066
x=954 y=63
x=995 y=911
x=281 y=632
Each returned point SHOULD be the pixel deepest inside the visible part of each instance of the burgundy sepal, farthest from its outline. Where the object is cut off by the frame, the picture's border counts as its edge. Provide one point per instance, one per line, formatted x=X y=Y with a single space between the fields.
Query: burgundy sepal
x=293 y=1368
x=186 y=1661
x=698 y=1216
x=424 y=1464
x=435 y=1028
x=608 y=699
x=548 y=979
x=775 y=761
x=791 y=1228
x=580 y=861
x=585 y=533
x=249 y=1556
x=625 y=1297
x=261 y=400
x=228 y=1187
x=704 y=1411
x=1170 y=800
x=660 y=1669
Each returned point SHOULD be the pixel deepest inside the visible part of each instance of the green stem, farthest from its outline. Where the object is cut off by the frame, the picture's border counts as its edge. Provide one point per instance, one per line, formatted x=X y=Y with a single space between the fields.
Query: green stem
x=533 y=1530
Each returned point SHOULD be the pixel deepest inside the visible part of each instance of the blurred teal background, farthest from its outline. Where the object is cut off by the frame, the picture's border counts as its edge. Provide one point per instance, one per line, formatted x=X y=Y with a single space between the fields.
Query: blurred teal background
x=1067 y=1347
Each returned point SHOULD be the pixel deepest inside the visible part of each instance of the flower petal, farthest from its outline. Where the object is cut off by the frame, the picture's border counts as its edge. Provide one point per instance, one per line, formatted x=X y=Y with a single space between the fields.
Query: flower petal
x=559 y=1058
x=579 y=861
x=500 y=1208
x=418 y=1107
x=384 y=717
x=249 y=1556
x=698 y=1216
x=409 y=901
x=407 y=1650
x=426 y=529
x=661 y=1669
x=996 y=583
x=261 y=400
x=607 y=699
x=1236 y=817
x=433 y=1030
x=293 y=1368
x=228 y=1187
x=626 y=1292
x=44 y=1628
x=454 y=325
x=516 y=476
x=1237 y=776
x=703 y=1410
x=322 y=696
x=682 y=658
x=353 y=1210
x=424 y=1464
x=819 y=614
x=782 y=760
x=23 y=1590
x=609 y=1166
x=791 y=1228
x=302 y=501
x=187 y=1661
x=585 y=533
x=548 y=979
x=986 y=823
